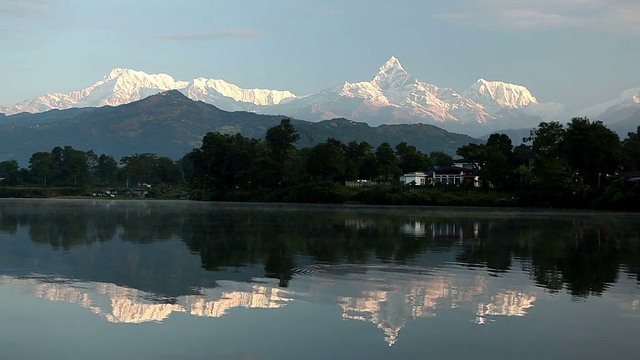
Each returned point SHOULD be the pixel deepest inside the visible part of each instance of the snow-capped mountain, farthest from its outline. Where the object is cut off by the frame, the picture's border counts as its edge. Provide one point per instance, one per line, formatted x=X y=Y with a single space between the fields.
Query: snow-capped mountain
x=628 y=99
x=122 y=86
x=392 y=96
x=621 y=114
x=395 y=96
x=495 y=95
x=211 y=91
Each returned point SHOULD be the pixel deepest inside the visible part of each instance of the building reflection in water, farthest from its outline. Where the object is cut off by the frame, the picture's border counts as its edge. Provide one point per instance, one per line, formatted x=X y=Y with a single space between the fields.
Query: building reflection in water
x=441 y=230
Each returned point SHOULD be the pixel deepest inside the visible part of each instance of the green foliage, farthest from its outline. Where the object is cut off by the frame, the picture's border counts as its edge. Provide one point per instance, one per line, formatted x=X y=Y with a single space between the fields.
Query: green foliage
x=493 y=161
x=138 y=169
x=105 y=170
x=477 y=154
x=9 y=172
x=40 y=166
x=223 y=163
x=501 y=143
x=439 y=158
x=326 y=161
x=315 y=192
x=360 y=161
x=281 y=140
x=67 y=166
x=631 y=151
x=410 y=159
x=388 y=167
x=590 y=150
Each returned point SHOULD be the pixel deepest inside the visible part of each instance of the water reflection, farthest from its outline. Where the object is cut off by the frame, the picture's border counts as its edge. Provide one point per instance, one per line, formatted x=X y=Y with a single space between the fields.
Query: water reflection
x=386 y=299
x=578 y=252
x=382 y=296
x=118 y=304
x=137 y=262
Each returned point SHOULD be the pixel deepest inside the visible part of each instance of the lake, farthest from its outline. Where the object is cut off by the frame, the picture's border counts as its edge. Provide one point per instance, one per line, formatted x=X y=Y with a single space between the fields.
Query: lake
x=105 y=279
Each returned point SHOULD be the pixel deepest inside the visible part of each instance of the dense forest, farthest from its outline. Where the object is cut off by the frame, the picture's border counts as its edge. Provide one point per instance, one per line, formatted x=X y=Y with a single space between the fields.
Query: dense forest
x=582 y=164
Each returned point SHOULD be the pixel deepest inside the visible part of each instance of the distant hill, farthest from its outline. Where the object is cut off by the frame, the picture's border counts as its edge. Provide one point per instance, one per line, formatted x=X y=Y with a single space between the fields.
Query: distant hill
x=170 y=124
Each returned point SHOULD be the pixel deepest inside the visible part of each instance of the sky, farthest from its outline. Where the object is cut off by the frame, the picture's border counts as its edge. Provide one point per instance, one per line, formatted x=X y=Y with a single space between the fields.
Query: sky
x=576 y=52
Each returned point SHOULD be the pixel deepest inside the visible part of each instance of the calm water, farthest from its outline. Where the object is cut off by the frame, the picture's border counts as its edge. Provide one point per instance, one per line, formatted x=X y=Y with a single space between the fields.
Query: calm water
x=183 y=280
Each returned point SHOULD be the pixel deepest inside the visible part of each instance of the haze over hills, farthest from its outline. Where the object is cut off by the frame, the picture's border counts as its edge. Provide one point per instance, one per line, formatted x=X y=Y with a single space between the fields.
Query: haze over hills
x=393 y=96
x=170 y=124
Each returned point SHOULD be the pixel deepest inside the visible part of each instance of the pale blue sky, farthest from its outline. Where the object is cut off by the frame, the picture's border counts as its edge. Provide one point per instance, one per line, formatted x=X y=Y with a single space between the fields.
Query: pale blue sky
x=578 y=52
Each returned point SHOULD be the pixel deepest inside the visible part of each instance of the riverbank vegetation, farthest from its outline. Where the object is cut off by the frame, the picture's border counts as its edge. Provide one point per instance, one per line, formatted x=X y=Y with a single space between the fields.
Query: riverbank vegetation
x=580 y=165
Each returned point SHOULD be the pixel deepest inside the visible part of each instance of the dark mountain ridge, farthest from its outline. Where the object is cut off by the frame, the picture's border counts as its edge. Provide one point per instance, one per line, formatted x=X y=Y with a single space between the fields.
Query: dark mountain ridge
x=170 y=124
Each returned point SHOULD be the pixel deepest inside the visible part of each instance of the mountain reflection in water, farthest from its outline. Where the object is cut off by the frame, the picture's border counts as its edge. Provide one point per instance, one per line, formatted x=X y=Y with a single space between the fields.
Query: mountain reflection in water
x=137 y=262
x=387 y=299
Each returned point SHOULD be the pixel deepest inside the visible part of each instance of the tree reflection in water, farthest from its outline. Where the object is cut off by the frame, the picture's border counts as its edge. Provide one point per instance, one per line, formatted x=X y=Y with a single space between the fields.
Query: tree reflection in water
x=582 y=253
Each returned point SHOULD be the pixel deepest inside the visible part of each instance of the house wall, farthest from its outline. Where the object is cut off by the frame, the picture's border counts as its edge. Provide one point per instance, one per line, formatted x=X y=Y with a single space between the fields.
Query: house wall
x=445 y=177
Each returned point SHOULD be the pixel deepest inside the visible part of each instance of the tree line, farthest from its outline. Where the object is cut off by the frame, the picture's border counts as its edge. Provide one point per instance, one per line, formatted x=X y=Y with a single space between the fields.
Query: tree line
x=227 y=164
x=66 y=166
x=584 y=162
x=581 y=162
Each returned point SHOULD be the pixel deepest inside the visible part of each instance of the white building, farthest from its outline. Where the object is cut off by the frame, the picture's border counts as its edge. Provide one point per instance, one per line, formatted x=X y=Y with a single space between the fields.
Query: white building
x=417 y=178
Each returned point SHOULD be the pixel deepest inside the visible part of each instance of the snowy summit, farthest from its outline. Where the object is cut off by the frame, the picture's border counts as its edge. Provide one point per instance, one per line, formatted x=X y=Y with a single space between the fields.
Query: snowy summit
x=392 y=96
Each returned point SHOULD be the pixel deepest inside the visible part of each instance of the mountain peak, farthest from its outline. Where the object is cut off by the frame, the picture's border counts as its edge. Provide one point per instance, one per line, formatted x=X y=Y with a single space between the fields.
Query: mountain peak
x=117 y=72
x=391 y=64
x=393 y=76
x=391 y=68
x=500 y=94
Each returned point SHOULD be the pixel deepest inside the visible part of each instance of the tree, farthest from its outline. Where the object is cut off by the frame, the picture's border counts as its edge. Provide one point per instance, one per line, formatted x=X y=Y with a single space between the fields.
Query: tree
x=499 y=169
x=591 y=150
x=106 y=169
x=75 y=166
x=546 y=138
x=9 y=171
x=522 y=155
x=281 y=139
x=139 y=168
x=410 y=159
x=92 y=165
x=223 y=163
x=476 y=154
x=440 y=158
x=326 y=161
x=40 y=165
x=548 y=168
x=480 y=156
x=360 y=161
x=521 y=161
x=492 y=160
x=169 y=172
x=501 y=143
x=631 y=150
x=68 y=166
x=387 y=162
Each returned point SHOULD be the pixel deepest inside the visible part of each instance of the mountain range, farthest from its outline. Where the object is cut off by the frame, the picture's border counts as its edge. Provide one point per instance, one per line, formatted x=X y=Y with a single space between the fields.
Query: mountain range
x=393 y=96
x=170 y=124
